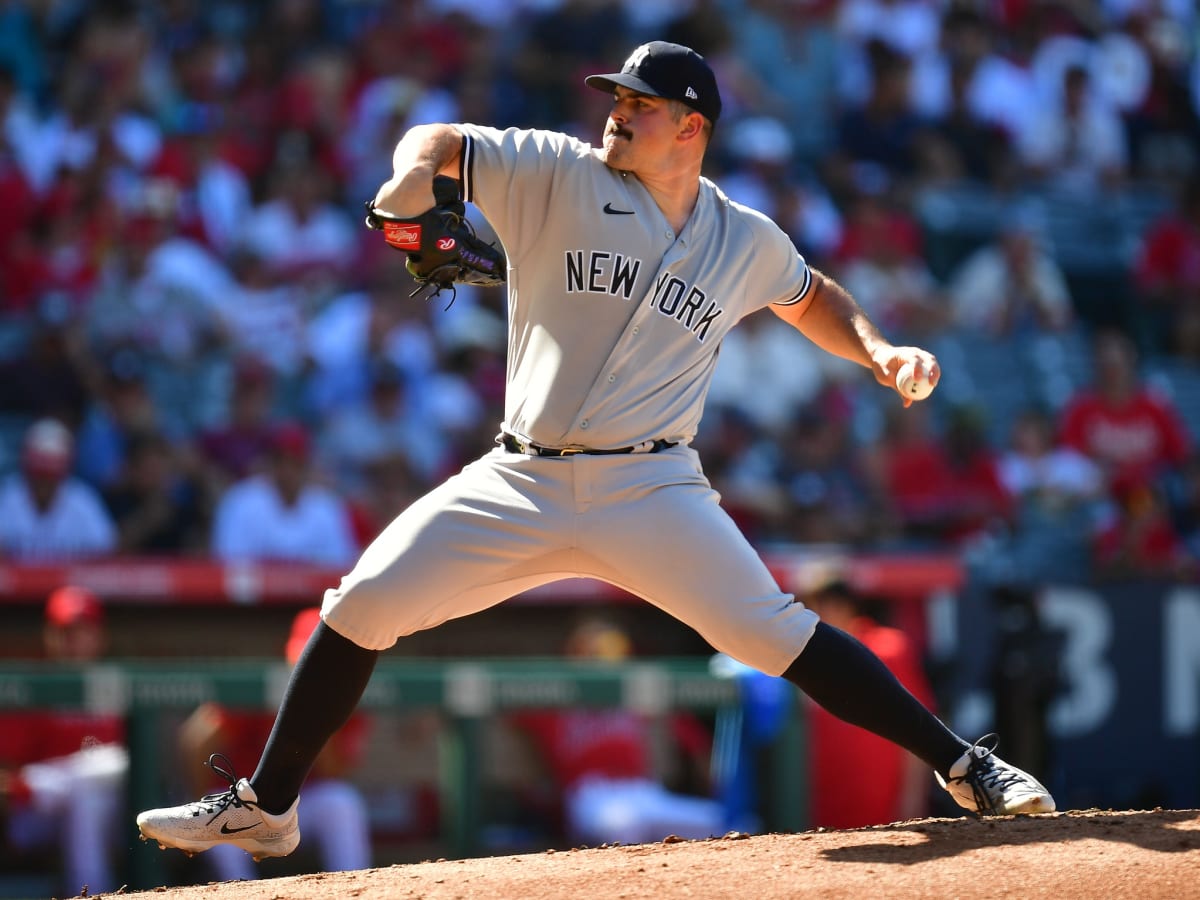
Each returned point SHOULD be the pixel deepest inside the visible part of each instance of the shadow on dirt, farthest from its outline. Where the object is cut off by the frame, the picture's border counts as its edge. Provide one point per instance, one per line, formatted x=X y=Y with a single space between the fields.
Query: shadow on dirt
x=1151 y=830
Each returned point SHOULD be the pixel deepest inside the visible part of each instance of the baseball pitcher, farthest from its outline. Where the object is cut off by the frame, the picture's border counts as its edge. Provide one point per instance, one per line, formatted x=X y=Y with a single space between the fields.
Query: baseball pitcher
x=624 y=269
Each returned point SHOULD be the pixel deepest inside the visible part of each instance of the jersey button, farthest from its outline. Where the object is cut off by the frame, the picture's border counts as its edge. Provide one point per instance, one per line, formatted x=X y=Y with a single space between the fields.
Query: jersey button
x=612 y=378
x=636 y=329
x=583 y=424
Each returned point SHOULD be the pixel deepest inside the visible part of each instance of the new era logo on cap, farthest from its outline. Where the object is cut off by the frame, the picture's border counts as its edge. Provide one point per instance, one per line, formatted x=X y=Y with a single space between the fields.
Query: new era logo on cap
x=663 y=69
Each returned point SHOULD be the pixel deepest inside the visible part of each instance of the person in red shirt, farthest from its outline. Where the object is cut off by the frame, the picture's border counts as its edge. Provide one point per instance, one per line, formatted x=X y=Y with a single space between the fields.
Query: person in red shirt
x=602 y=765
x=942 y=487
x=335 y=813
x=62 y=773
x=1141 y=540
x=858 y=778
x=1134 y=433
x=1167 y=277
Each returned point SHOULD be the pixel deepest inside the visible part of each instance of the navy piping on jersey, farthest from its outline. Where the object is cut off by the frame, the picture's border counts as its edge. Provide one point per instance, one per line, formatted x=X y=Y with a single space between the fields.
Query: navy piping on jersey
x=466 y=169
x=799 y=295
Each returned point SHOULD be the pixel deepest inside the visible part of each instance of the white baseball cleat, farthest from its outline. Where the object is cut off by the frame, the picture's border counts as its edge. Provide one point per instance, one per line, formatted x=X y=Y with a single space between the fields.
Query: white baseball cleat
x=984 y=783
x=232 y=817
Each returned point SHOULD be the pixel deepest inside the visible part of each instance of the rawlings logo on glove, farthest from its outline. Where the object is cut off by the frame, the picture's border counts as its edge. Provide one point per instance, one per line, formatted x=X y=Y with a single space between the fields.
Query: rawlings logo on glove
x=441 y=244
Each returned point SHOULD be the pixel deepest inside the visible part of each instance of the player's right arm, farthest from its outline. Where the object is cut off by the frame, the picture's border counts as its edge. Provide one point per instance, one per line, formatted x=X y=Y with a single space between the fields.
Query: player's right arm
x=423 y=152
x=834 y=321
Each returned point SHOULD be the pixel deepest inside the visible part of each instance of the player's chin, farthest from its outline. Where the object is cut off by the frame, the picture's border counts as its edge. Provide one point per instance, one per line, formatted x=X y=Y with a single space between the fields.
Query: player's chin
x=615 y=153
x=618 y=161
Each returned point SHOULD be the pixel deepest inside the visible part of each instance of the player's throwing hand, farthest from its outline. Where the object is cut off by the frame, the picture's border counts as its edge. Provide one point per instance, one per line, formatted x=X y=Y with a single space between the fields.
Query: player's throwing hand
x=911 y=372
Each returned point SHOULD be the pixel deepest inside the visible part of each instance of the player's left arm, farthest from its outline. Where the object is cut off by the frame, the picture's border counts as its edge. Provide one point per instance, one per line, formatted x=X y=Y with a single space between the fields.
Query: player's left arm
x=423 y=152
x=832 y=319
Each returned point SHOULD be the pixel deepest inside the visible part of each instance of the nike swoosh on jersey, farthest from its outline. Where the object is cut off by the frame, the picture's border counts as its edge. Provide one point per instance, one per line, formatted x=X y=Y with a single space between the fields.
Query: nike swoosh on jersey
x=225 y=829
x=608 y=208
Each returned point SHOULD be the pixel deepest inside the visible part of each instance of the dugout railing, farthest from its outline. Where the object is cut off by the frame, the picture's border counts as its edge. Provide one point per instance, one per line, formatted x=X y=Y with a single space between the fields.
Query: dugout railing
x=465 y=691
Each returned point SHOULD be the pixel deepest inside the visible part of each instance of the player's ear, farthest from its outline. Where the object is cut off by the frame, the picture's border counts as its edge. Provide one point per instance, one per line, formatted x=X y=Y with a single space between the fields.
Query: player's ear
x=691 y=126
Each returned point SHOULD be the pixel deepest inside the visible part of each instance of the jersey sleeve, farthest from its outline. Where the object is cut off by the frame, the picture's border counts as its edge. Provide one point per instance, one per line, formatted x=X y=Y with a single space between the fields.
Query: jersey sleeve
x=509 y=175
x=779 y=274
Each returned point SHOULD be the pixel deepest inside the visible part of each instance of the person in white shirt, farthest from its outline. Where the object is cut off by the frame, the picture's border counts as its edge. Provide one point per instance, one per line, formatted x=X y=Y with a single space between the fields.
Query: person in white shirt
x=1012 y=285
x=45 y=513
x=1077 y=144
x=283 y=514
x=297 y=230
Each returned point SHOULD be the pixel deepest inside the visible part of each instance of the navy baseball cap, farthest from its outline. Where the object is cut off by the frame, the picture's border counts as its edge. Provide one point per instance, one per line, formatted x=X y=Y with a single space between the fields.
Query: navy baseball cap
x=663 y=69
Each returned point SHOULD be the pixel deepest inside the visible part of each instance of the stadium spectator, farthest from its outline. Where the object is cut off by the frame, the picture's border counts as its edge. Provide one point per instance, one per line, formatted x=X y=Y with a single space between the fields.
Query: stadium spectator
x=880 y=261
x=62 y=774
x=161 y=288
x=379 y=321
x=766 y=176
x=158 y=503
x=264 y=315
x=1060 y=497
x=857 y=778
x=878 y=139
x=385 y=424
x=1167 y=278
x=1141 y=540
x=121 y=406
x=1039 y=471
x=1077 y=142
x=1164 y=125
x=943 y=487
x=46 y=514
x=973 y=96
x=784 y=60
x=909 y=27
x=830 y=498
x=335 y=819
x=283 y=514
x=602 y=761
x=559 y=43
x=1183 y=496
x=1134 y=433
x=764 y=159
x=1013 y=285
x=50 y=371
x=235 y=448
x=298 y=231
x=959 y=147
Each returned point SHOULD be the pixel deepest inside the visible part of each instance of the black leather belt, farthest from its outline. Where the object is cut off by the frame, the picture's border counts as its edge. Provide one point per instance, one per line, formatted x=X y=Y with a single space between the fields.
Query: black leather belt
x=515 y=445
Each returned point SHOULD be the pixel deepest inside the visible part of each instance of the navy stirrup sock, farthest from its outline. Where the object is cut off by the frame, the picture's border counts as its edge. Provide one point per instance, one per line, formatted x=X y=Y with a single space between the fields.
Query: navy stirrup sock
x=847 y=679
x=325 y=687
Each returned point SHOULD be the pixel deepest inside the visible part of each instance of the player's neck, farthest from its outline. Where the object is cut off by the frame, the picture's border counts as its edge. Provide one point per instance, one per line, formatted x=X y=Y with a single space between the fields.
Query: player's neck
x=675 y=193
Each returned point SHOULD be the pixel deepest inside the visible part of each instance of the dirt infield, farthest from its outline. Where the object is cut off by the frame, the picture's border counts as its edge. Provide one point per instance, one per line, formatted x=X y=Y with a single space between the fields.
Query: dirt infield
x=1092 y=854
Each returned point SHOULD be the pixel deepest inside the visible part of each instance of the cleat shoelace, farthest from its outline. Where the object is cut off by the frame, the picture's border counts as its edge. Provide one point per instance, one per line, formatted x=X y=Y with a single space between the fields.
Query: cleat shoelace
x=988 y=780
x=217 y=803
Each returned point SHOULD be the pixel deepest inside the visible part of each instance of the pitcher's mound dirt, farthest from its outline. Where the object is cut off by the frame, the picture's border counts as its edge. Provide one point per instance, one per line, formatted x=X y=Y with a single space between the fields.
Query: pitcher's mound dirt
x=1080 y=854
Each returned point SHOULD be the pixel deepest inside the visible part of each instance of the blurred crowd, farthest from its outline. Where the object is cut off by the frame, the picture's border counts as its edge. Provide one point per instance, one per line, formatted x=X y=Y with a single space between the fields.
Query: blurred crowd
x=203 y=352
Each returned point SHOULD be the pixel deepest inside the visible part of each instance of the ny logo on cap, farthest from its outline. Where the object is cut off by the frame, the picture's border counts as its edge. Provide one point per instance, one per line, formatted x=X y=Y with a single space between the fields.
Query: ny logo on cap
x=637 y=57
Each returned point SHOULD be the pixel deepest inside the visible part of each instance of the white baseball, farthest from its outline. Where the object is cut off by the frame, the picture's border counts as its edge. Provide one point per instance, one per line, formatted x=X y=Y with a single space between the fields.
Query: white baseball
x=912 y=386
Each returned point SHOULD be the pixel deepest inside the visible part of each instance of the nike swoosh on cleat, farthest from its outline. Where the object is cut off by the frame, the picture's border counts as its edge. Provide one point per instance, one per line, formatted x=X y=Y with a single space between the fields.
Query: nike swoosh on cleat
x=225 y=829
x=608 y=208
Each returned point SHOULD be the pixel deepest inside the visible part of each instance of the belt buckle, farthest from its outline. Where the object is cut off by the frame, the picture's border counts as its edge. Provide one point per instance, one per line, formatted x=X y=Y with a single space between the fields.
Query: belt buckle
x=569 y=451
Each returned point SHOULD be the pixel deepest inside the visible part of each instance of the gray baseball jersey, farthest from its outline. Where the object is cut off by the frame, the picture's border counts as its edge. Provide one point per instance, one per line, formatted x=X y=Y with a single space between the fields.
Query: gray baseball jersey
x=614 y=326
x=614 y=319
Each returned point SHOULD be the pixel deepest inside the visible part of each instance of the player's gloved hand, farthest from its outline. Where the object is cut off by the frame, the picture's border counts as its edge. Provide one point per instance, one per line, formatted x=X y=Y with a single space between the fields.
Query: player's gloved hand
x=441 y=244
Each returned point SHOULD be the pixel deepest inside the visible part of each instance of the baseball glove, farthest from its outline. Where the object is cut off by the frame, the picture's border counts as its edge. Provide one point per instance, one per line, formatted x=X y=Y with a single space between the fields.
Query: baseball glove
x=441 y=244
